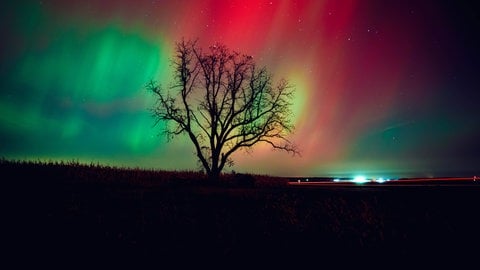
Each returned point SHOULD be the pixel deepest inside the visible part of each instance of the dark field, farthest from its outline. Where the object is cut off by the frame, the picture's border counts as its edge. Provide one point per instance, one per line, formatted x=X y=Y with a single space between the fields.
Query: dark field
x=78 y=214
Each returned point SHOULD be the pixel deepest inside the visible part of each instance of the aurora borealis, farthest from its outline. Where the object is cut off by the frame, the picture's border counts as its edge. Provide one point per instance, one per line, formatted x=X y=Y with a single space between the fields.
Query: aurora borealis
x=383 y=88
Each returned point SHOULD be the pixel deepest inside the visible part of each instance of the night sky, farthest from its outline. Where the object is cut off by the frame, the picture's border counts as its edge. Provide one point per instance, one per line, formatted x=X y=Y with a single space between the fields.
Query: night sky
x=383 y=88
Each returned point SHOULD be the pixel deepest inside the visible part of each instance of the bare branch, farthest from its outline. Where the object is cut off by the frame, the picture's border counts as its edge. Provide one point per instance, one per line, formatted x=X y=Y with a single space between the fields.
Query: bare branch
x=224 y=103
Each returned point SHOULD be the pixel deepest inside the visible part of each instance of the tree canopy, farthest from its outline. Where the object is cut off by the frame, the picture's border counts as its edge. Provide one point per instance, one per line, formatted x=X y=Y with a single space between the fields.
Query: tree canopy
x=223 y=102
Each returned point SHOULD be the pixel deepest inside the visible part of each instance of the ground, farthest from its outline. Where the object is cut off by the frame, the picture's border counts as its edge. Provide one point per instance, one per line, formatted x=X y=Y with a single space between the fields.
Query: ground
x=90 y=213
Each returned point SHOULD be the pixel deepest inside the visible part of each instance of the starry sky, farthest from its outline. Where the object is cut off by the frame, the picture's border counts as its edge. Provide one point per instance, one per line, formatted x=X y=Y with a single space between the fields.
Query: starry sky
x=383 y=88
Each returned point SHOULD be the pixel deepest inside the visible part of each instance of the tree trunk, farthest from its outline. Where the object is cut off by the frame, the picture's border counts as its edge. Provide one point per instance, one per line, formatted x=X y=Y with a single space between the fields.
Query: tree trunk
x=214 y=175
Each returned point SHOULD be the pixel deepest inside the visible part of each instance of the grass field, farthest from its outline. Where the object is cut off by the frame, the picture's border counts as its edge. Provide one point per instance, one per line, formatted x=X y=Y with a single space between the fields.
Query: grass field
x=88 y=212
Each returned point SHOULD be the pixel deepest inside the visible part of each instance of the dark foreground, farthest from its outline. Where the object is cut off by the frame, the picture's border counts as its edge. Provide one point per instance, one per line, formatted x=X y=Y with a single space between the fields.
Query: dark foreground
x=68 y=216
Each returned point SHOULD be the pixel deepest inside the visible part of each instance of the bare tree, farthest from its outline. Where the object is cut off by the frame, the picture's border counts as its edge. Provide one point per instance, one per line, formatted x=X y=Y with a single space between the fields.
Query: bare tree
x=224 y=103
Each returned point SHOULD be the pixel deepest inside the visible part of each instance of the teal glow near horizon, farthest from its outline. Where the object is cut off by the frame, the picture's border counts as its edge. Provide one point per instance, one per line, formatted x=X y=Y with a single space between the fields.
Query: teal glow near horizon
x=383 y=90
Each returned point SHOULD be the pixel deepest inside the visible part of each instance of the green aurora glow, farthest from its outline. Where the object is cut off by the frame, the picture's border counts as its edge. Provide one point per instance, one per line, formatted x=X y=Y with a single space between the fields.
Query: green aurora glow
x=380 y=88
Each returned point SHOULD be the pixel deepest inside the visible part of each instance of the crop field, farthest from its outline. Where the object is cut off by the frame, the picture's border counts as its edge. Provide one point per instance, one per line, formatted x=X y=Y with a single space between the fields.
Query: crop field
x=82 y=212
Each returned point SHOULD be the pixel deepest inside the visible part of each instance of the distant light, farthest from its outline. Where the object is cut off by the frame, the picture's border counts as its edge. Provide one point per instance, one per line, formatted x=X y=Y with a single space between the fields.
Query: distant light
x=380 y=180
x=360 y=179
x=336 y=180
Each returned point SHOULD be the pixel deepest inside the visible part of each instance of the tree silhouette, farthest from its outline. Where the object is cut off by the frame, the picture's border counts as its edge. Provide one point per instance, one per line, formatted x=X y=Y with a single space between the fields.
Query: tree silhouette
x=223 y=103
